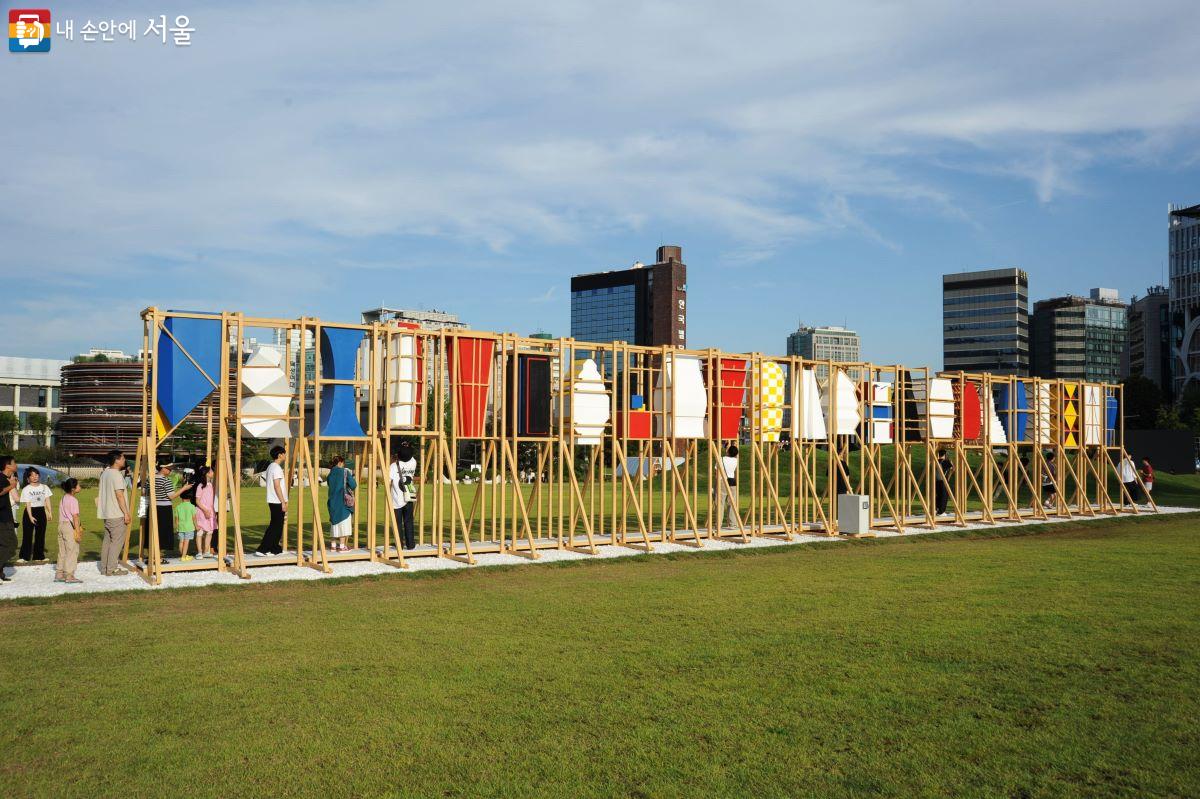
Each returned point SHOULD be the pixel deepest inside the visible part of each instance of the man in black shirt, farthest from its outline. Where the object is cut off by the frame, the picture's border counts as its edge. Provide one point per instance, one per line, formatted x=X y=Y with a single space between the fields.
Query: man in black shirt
x=8 y=531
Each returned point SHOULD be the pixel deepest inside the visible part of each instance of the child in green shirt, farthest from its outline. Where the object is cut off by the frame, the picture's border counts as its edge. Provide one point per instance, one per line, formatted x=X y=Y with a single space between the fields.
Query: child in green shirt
x=185 y=521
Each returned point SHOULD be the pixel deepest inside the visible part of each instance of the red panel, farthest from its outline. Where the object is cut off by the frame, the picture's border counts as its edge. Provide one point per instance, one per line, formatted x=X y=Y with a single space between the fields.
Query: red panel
x=471 y=366
x=634 y=425
x=731 y=383
x=970 y=412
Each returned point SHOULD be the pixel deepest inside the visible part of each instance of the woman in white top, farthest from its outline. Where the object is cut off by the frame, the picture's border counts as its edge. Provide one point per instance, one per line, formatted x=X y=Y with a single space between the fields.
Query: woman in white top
x=35 y=497
x=402 y=492
x=726 y=499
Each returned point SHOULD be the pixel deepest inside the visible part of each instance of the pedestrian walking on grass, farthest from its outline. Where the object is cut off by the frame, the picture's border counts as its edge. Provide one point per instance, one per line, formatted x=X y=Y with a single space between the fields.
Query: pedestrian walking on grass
x=70 y=533
x=35 y=498
x=726 y=498
x=1127 y=473
x=277 y=498
x=941 y=492
x=1147 y=478
x=112 y=506
x=8 y=530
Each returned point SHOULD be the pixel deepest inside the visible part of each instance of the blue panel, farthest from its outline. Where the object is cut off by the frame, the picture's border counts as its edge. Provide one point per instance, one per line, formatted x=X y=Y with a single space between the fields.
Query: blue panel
x=881 y=413
x=1013 y=410
x=339 y=359
x=181 y=386
x=1112 y=417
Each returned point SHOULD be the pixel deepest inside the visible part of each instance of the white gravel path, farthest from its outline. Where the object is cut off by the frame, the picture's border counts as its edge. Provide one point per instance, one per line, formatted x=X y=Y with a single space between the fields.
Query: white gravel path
x=38 y=581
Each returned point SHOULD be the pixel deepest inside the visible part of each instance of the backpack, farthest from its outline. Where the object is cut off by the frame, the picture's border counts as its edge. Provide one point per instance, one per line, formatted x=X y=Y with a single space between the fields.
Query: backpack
x=347 y=493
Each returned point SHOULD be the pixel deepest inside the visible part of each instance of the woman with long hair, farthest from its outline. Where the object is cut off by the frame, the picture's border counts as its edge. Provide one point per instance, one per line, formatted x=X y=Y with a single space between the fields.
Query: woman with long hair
x=206 y=515
x=35 y=496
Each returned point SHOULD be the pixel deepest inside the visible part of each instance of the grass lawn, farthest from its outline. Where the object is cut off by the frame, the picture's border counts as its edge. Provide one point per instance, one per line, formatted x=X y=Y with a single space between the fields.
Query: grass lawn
x=1058 y=664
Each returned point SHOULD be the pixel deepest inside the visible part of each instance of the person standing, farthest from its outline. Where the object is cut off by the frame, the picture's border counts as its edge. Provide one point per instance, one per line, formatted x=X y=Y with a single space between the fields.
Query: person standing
x=941 y=494
x=185 y=521
x=35 y=498
x=164 y=510
x=70 y=533
x=8 y=530
x=1147 y=478
x=1127 y=474
x=1049 y=484
x=341 y=485
x=276 y=505
x=725 y=503
x=206 y=515
x=112 y=506
x=401 y=491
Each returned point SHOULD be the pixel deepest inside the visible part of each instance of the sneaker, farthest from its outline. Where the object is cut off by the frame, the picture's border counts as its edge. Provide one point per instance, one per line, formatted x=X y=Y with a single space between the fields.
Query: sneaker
x=21 y=560
x=117 y=573
x=258 y=554
x=4 y=578
x=72 y=580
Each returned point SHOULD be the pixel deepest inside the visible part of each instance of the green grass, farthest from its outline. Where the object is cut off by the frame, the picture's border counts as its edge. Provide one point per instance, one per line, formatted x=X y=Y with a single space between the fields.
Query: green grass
x=1063 y=663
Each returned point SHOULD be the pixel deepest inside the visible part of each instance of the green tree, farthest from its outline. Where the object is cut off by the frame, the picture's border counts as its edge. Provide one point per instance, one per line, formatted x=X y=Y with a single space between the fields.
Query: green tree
x=40 y=426
x=1189 y=402
x=9 y=424
x=1143 y=398
x=1169 y=418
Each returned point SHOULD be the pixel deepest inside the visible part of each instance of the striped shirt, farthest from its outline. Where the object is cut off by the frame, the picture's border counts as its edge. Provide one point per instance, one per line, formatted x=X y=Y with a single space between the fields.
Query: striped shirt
x=163 y=488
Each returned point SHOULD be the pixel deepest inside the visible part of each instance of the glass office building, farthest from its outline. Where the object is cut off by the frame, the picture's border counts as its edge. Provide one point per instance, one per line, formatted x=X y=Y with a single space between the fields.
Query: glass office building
x=644 y=305
x=985 y=321
x=1183 y=239
x=1080 y=338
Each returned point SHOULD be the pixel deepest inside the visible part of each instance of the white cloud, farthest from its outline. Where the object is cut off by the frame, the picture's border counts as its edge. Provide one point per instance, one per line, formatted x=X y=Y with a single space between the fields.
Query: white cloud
x=291 y=133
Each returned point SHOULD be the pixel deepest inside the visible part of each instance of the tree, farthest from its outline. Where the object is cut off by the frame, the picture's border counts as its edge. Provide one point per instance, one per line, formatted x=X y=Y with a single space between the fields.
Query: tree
x=1169 y=419
x=39 y=425
x=1189 y=402
x=1143 y=398
x=10 y=423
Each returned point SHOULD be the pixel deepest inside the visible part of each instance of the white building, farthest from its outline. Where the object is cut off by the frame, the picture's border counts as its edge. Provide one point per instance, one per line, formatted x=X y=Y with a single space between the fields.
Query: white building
x=431 y=320
x=29 y=388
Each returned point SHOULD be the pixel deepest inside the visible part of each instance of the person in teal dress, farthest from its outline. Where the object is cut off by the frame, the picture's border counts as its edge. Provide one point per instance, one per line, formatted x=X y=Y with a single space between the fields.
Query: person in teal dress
x=341 y=485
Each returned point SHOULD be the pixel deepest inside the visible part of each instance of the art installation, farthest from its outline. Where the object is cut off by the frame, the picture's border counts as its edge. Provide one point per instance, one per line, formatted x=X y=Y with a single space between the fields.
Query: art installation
x=532 y=392
x=339 y=401
x=470 y=361
x=768 y=413
x=189 y=353
x=589 y=411
x=1012 y=403
x=406 y=377
x=266 y=394
x=731 y=391
x=879 y=426
x=681 y=394
x=511 y=408
x=808 y=416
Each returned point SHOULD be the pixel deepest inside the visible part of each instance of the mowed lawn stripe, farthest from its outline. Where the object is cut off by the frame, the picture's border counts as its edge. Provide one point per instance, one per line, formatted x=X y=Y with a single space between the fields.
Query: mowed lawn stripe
x=1057 y=664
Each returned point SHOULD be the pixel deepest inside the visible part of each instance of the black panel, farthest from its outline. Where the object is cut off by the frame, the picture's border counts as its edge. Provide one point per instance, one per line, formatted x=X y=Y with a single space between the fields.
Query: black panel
x=532 y=394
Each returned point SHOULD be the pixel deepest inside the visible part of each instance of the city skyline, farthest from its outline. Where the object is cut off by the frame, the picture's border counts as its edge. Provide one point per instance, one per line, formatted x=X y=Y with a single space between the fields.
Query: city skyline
x=798 y=184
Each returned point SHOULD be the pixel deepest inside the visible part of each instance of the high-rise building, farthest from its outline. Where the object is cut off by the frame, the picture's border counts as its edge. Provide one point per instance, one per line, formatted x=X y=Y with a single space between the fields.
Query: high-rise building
x=644 y=305
x=1183 y=237
x=102 y=407
x=1079 y=338
x=29 y=389
x=824 y=343
x=985 y=321
x=1148 y=344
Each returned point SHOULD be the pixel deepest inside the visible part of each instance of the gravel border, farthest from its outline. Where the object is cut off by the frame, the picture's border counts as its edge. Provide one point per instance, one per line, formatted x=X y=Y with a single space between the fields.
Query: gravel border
x=38 y=581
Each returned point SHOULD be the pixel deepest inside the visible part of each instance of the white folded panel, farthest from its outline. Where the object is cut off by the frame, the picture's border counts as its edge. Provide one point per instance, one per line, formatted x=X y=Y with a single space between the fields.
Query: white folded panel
x=808 y=418
x=680 y=391
x=590 y=410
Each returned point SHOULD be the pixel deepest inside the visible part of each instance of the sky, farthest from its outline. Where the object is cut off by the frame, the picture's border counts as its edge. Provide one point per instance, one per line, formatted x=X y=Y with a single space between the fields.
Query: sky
x=818 y=162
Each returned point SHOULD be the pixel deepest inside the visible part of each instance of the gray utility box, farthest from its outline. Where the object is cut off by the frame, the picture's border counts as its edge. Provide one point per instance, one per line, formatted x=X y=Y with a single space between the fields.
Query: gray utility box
x=854 y=514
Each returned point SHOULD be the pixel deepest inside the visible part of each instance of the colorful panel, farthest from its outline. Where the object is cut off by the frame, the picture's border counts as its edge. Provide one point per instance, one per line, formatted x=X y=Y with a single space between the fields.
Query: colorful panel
x=634 y=425
x=841 y=404
x=681 y=393
x=1069 y=400
x=935 y=402
x=590 y=410
x=1012 y=405
x=880 y=427
x=470 y=362
x=768 y=413
x=969 y=422
x=1112 y=419
x=339 y=402
x=1043 y=416
x=405 y=377
x=808 y=417
x=532 y=393
x=732 y=392
x=182 y=385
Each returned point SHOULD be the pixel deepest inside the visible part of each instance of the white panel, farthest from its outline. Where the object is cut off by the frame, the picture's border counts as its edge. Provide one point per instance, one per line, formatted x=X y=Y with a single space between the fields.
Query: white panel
x=1093 y=416
x=995 y=431
x=681 y=391
x=590 y=409
x=808 y=419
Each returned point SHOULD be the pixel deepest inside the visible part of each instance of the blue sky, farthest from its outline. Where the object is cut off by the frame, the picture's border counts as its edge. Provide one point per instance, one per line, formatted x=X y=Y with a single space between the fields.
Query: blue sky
x=816 y=161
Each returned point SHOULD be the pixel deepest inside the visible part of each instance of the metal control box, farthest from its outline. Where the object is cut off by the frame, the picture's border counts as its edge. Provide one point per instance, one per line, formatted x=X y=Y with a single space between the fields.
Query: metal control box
x=854 y=514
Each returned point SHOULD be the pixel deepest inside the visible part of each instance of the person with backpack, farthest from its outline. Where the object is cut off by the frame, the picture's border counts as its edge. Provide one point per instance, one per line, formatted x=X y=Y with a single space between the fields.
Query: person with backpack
x=341 y=485
x=402 y=492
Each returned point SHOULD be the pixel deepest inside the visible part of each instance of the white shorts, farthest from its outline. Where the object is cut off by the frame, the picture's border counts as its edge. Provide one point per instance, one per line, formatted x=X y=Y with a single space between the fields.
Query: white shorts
x=342 y=529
